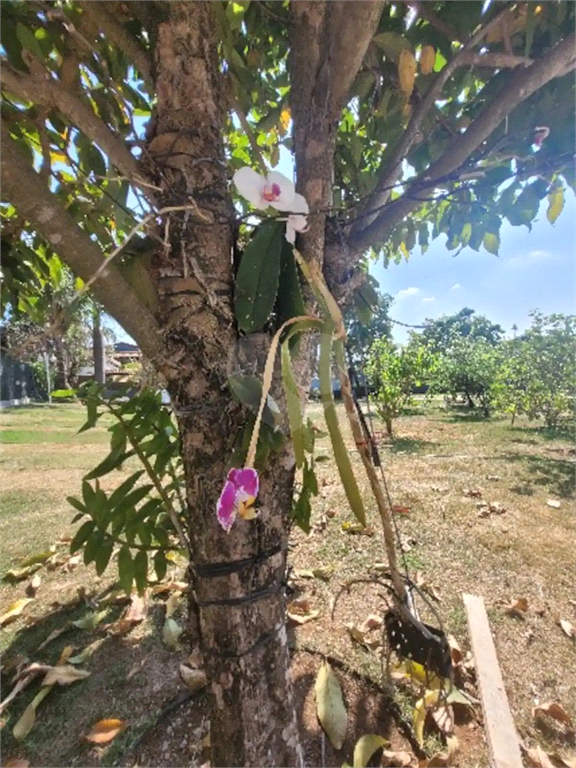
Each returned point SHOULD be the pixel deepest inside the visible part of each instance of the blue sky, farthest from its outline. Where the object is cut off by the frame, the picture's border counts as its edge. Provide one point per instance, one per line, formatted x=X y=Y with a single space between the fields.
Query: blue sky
x=535 y=270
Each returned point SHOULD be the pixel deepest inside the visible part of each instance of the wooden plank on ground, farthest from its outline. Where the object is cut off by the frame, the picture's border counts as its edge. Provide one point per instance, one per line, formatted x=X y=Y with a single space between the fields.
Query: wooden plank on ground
x=499 y=725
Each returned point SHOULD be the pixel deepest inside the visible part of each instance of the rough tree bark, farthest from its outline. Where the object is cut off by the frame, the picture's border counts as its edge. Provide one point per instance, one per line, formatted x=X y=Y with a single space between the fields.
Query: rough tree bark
x=237 y=577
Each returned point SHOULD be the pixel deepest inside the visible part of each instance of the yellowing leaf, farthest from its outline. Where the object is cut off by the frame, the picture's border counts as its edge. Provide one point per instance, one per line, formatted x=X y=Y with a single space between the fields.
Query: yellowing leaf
x=171 y=631
x=53 y=635
x=194 y=678
x=406 y=71
x=365 y=748
x=427 y=59
x=65 y=655
x=14 y=611
x=285 y=118
x=90 y=621
x=517 y=607
x=429 y=699
x=64 y=675
x=104 y=731
x=330 y=706
x=19 y=574
x=555 y=204
x=491 y=242
x=41 y=557
x=26 y=721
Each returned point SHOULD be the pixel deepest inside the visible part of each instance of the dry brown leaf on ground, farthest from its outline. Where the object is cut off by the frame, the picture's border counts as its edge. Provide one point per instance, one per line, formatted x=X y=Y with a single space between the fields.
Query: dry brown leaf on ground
x=399 y=509
x=397 y=759
x=444 y=718
x=537 y=757
x=19 y=574
x=17 y=762
x=455 y=651
x=553 y=503
x=64 y=675
x=193 y=678
x=138 y=608
x=554 y=710
x=14 y=610
x=472 y=493
x=34 y=585
x=497 y=507
x=67 y=651
x=373 y=621
x=30 y=673
x=53 y=635
x=104 y=731
x=297 y=618
x=330 y=706
x=172 y=603
x=517 y=607
x=91 y=620
x=567 y=627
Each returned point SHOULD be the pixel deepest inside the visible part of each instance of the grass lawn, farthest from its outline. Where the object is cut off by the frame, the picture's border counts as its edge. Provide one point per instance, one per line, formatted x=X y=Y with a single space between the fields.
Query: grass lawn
x=435 y=458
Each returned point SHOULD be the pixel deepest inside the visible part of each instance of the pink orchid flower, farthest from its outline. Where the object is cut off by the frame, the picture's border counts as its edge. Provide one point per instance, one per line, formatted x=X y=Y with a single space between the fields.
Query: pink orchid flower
x=237 y=497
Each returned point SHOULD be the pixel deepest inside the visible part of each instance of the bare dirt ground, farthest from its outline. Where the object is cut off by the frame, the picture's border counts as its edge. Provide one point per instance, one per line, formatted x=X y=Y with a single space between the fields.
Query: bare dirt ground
x=442 y=467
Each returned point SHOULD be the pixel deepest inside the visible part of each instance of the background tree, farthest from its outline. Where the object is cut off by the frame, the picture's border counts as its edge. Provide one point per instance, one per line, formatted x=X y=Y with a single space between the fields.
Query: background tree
x=394 y=373
x=366 y=318
x=440 y=333
x=538 y=373
x=387 y=154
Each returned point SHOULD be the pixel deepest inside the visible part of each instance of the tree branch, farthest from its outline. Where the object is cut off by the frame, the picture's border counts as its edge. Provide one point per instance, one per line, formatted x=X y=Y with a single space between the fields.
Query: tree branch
x=329 y=41
x=389 y=174
x=119 y=35
x=48 y=92
x=425 y=12
x=523 y=83
x=496 y=60
x=34 y=202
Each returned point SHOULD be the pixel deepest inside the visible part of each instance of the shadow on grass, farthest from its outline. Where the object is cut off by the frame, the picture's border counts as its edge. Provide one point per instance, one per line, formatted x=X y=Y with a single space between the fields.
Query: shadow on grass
x=464 y=415
x=557 y=475
x=564 y=431
x=410 y=445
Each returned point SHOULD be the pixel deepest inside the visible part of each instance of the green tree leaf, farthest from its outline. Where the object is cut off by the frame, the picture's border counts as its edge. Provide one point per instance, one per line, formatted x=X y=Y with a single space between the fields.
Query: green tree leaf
x=125 y=569
x=257 y=279
x=141 y=570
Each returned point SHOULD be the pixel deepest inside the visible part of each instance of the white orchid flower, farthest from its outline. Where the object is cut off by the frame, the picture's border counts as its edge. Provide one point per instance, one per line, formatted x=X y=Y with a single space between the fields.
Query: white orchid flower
x=276 y=190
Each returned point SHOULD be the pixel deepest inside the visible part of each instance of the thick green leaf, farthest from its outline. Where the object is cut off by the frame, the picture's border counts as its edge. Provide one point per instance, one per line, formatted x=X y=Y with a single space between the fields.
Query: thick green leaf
x=125 y=569
x=82 y=534
x=92 y=547
x=339 y=449
x=76 y=504
x=248 y=390
x=27 y=40
x=391 y=43
x=293 y=404
x=113 y=461
x=160 y=564
x=123 y=489
x=290 y=301
x=257 y=279
x=103 y=555
x=141 y=570
x=365 y=748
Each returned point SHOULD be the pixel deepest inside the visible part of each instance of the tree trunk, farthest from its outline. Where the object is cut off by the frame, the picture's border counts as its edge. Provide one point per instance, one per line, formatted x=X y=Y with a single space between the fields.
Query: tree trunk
x=61 y=378
x=236 y=577
x=98 y=350
x=388 y=423
x=470 y=401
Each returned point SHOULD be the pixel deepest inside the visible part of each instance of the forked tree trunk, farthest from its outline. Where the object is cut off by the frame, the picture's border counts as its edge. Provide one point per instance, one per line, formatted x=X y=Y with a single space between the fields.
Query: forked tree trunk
x=237 y=577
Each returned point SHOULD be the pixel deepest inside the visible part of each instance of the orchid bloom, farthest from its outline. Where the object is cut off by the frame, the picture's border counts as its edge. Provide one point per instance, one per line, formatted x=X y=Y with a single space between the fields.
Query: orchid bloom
x=237 y=497
x=540 y=133
x=275 y=190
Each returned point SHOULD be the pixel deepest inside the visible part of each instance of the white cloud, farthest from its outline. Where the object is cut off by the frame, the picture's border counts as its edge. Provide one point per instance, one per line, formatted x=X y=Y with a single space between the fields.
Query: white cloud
x=539 y=254
x=407 y=292
x=428 y=299
x=456 y=287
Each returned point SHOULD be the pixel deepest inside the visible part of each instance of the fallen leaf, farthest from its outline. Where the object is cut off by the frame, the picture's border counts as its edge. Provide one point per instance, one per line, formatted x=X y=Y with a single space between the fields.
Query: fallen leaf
x=172 y=603
x=472 y=493
x=171 y=631
x=41 y=557
x=517 y=607
x=195 y=659
x=299 y=606
x=138 y=608
x=19 y=574
x=303 y=619
x=371 y=622
x=104 y=731
x=34 y=585
x=455 y=650
x=553 y=503
x=303 y=573
x=65 y=655
x=492 y=477
x=17 y=762
x=444 y=718
x=497 y=507
x=27 y=676
x=90 y=621
x=64 y=675
x=421 y=708
x=73 y=562
x=554 y=710
x=194 y=678
x=14 y=611
x=538 y=757
x=323 y=573
x=438 y=760
x=397 y=759
x=53 y=635
x=115 y=596
x=26 y=721
x=81 y=657
x=567 y=628
x=398 y=509
x=365 y=748
x=330 y=706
